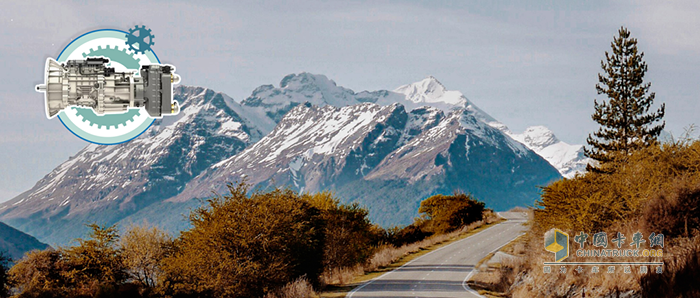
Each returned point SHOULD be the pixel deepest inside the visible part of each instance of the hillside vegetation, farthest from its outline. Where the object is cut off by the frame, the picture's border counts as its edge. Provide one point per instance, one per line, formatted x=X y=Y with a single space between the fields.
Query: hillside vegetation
x=656 y=190
x=276 y=243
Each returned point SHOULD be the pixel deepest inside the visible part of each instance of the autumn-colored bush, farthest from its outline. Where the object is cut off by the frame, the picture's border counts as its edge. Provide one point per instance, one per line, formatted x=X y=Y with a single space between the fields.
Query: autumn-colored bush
x=246 y=246
x=447 y=213
x=93 y=268
x=675 y=212
x=656 y=189
x=597 y=200
x=96 y=261
x=276 y=243
x=143 y=248
x=41 y=274
x=349 y=236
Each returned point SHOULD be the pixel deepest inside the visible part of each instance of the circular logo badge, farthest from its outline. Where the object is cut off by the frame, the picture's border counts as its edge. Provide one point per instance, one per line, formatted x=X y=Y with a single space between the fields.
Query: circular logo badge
x=107 y=129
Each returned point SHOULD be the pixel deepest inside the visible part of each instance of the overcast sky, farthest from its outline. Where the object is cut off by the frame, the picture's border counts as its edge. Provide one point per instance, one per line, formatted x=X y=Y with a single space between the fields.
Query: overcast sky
x=525 y=64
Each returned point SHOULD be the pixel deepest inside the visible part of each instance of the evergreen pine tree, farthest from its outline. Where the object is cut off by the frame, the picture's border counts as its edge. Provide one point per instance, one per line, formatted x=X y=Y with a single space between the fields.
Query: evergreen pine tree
x=626 y=123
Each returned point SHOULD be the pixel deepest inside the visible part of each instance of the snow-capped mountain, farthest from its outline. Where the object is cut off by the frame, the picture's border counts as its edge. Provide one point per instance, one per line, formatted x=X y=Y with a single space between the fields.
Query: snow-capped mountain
x=430 y=92
x=106 y=184
x=387 y=150
x=314 y=148
x=375 y=154
x=295 y=89
x=568 y=159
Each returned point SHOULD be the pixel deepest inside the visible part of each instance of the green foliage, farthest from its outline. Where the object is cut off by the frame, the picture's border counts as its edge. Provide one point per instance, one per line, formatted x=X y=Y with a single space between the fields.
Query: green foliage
x=243 y=246
x=447 y=213
x=626 y=123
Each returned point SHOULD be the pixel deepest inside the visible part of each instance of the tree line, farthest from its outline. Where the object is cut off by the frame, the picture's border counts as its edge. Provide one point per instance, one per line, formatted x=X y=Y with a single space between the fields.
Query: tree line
x=243 y=244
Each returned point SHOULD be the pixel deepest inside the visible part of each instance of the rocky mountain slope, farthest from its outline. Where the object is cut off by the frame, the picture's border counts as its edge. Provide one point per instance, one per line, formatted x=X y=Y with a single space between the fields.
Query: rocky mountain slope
x=106 y=184
x=385 y=149
x=568 y=159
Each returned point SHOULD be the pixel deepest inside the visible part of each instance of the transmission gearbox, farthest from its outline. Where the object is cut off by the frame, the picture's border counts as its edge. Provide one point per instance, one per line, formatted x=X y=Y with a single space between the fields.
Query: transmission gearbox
x=91 y=83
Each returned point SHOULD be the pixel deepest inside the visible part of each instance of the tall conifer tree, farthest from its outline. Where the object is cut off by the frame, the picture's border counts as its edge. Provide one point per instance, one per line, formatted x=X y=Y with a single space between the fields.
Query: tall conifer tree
x=625 y=120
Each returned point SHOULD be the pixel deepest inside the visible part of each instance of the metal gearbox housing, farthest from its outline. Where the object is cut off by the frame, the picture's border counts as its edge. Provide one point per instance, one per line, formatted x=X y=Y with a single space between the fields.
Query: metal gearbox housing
x=90 y=83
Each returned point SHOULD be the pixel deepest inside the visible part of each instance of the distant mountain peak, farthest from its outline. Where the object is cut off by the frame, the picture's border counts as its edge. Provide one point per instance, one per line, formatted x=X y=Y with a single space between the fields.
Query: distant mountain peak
x=430 y=87
x=539 y=137
x=295 y=89
x=305 y=78
x=430 y=90
x=568 y=159
x=386 y=149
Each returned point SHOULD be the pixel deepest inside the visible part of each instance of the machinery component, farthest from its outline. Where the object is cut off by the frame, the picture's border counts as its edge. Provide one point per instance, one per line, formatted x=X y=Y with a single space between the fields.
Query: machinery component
x=90 y=83
x=138 y=36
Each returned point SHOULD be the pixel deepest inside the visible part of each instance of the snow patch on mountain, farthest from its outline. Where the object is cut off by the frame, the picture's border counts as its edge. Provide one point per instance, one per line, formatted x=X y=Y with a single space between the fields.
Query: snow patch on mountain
x=123 y=178
x=568 y=159
x=430 y=92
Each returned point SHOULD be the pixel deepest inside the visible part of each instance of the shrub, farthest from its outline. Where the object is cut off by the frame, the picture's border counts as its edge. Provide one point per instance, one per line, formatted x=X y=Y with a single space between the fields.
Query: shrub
x=142 y=250
x=97 y=261
x=41 y=273
x=597 y=200
x=242 y=246
x=348 y=233
x=447 y=213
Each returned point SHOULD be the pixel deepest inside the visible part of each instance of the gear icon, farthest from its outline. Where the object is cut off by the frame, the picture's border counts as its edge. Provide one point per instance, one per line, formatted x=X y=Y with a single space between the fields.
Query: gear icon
x=107 y=120
x=116 y=55
x=137 y=36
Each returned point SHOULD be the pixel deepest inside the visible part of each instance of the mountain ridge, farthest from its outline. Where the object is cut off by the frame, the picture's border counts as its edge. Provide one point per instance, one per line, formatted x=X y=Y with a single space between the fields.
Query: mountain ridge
x=106 y=184
x=340 y=140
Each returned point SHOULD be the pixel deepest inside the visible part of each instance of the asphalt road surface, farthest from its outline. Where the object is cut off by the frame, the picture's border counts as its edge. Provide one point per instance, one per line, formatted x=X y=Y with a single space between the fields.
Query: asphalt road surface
x=443 y=272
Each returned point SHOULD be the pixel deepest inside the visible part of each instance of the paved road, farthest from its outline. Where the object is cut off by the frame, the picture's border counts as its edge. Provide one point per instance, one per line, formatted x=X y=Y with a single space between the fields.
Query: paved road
x=443 y=272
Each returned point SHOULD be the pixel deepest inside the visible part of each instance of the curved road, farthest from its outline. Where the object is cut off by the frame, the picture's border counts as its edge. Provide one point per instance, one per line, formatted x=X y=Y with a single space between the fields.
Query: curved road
x=443 y=272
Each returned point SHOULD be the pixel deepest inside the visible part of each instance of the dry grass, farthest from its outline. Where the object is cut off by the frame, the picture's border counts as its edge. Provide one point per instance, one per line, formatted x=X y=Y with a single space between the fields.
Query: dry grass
x=679 y=279
x=387 y=257
x=533 y=282
x=496 y=279
x=341 y=276
x=300 y=288
x=681 y=271
x=390 y=254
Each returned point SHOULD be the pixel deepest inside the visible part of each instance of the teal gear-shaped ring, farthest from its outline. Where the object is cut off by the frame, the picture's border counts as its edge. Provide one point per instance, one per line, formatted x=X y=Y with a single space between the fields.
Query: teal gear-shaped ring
x=96 y=130
x=107 y=120
x=110 y=120
x=116 y=55
x=137 y=36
